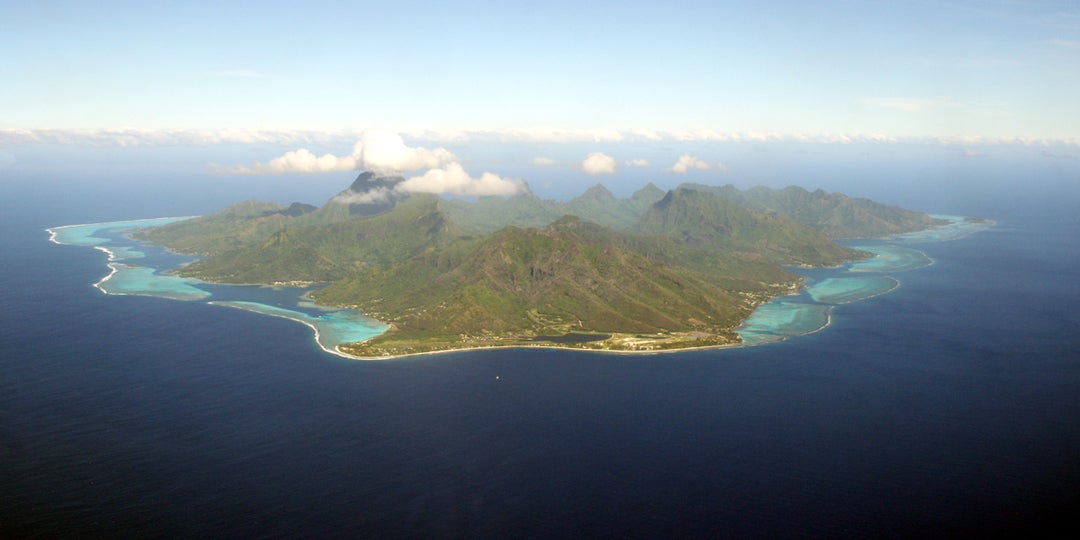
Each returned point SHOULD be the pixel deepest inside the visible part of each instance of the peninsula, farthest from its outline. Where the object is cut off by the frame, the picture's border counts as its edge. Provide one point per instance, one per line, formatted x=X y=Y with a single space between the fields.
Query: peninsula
x=655 y=271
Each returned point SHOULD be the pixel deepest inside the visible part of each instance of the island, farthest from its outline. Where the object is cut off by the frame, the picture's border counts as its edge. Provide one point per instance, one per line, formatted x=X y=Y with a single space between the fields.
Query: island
x=657 y=271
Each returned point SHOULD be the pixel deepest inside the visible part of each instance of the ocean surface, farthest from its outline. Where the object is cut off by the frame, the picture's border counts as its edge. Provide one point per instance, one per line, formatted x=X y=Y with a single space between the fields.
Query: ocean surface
x=949 y=405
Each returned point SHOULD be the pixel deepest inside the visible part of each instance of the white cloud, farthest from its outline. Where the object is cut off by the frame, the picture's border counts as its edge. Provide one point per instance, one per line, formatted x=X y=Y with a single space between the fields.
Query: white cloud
x=638 y=163
x=301 y=138
x=385 y=152
x=137 y=137
x=454 y=180
x=647 y=134
x=686 y=162
x=598 y=163
x=296 y=161
x=379 y=151
x=543 y=162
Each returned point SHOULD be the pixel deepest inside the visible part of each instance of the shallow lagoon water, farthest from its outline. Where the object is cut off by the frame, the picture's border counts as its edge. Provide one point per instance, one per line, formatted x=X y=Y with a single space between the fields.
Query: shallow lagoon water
x=332 y=327
x=783 y=318
x=891 y=258
x=810 y=310
x=142 y=281
x=141 y=269
x=845 y=290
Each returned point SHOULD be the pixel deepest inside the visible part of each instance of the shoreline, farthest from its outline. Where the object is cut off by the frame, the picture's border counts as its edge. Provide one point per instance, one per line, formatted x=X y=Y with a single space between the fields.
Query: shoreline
x=336 y=349
x=315 y=329
x=542 y=347
x=53 y=230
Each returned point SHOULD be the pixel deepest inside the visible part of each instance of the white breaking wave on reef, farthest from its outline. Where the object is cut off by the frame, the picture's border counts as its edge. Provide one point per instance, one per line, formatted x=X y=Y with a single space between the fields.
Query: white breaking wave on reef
x=330 y=328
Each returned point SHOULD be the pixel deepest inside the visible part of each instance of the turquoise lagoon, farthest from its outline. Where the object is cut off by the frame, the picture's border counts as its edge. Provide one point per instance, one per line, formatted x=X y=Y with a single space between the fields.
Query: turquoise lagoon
x=811 y=309
x=141 y=269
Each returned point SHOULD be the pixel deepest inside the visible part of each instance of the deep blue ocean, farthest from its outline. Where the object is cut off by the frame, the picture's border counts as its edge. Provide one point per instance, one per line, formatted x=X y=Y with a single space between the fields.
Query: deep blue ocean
x=950 y=405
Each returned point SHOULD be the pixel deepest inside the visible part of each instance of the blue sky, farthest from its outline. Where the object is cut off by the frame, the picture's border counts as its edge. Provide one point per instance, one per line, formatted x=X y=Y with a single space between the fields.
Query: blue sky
x=894 y=68
x=316 y=76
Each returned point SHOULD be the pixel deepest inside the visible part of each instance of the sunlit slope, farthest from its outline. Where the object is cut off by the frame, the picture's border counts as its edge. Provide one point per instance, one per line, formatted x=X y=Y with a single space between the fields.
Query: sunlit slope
x=236 y=226
x=543 y=281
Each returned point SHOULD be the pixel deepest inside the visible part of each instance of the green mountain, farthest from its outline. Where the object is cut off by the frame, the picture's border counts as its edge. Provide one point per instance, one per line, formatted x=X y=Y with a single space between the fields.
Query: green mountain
x=489 y=214
x=516 y=284
x=252 y=223
x=706 y=220
x=834 y=214
x=653 y=271
x=237 y=226
x=597 y=204
x=323 y=253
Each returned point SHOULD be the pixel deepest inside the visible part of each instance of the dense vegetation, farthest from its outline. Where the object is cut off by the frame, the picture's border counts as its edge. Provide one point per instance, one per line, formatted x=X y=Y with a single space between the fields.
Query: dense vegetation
x=655 y=270
x=834 y=214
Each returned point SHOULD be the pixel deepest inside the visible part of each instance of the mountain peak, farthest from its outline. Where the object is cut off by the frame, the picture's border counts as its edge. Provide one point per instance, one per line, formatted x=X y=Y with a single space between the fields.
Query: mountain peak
x=370 y=194
x=650 y=192
x=368 y=180
x=598 y=191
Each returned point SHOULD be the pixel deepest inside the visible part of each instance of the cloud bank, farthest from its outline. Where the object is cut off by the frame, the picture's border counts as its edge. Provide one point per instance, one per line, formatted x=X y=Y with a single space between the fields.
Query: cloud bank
x=386 y=153
x=137 y=137
x=297 y=161
x=687 y=162
x=598 y=163
x=379 y=151
x=454 y=180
